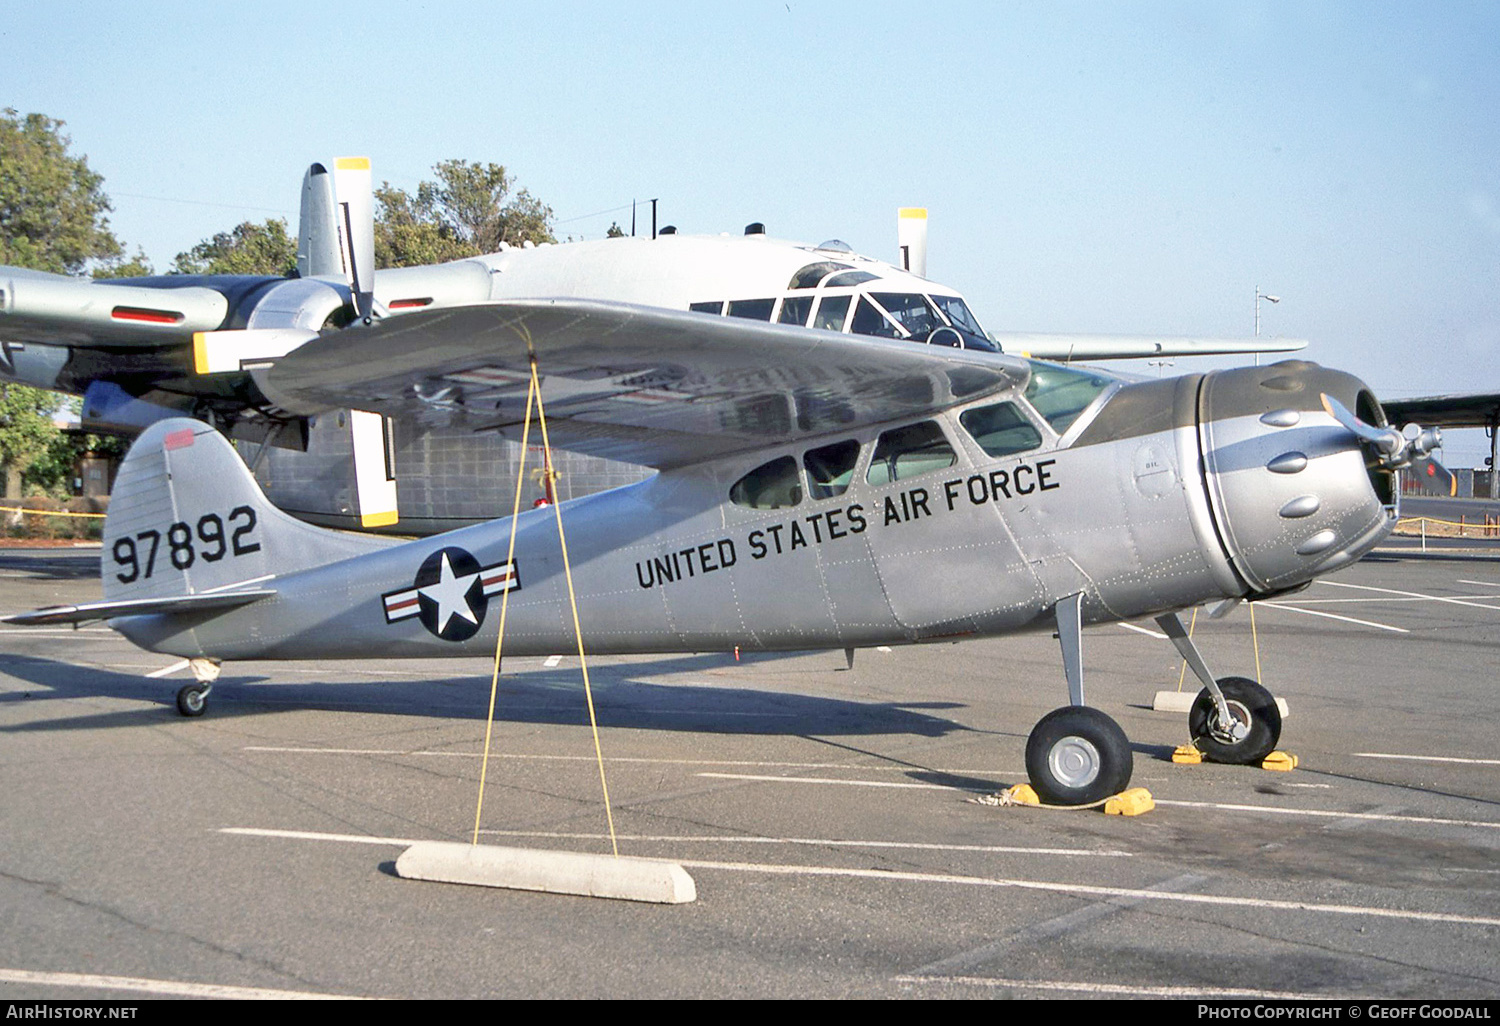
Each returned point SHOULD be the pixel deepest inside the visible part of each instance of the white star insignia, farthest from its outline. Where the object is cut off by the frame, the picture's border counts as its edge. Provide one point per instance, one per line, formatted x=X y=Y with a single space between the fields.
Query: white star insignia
x=451 y=595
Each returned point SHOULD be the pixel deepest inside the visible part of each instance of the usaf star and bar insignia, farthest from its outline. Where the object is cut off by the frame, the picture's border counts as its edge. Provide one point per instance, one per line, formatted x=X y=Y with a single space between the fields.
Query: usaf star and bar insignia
x=451 y=593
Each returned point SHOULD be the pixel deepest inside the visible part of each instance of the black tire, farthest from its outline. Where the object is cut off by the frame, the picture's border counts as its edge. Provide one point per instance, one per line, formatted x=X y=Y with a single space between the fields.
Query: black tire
x=1248 y=703
x=1077 y=756
x=192 y=699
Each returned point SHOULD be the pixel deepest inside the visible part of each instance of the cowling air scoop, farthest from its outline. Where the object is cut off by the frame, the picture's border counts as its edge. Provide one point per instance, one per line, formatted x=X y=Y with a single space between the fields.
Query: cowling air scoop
x=1397 y=450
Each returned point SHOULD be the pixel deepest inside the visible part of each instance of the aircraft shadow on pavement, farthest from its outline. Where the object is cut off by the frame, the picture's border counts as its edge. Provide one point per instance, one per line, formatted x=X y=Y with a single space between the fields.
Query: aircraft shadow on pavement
x=550 y=696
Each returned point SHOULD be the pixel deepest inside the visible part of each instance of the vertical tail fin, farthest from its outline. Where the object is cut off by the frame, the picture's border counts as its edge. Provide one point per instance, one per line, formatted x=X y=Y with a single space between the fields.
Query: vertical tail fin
x=187 y=517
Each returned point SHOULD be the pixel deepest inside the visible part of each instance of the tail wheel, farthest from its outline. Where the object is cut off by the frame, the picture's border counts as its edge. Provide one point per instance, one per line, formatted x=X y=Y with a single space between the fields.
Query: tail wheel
x=1077 y=756
x=1255 y=730
x=192 y=699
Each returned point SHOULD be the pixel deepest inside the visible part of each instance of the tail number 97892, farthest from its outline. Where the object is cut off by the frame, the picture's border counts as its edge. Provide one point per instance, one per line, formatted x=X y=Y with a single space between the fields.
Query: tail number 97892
x=136 y=557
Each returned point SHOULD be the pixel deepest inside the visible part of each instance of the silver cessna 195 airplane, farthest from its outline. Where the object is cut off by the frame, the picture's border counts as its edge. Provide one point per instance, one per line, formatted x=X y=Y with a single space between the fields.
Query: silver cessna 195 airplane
x=814 y=490
x=143 y=350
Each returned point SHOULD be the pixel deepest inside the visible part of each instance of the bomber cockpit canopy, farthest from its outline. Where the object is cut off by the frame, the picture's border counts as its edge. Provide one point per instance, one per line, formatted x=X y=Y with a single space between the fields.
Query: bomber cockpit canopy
x=833 y=295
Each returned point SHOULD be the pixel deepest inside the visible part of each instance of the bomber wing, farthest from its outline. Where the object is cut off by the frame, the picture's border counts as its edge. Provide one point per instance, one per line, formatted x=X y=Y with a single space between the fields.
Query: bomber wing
x=1458 y=410
x=646 y=385
x=1066 y=348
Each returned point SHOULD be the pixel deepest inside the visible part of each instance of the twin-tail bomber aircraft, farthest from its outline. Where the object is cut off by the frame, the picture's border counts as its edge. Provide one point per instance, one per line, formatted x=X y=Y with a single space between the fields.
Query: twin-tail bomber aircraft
x=815 y=490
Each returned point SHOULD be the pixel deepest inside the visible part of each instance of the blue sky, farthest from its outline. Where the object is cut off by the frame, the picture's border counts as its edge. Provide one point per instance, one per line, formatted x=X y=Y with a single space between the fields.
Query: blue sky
x=1125 y=167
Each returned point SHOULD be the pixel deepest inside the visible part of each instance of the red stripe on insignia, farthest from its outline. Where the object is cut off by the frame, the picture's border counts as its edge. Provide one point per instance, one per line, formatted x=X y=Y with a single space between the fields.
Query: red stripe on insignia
x=179 y=439
x=391 y=607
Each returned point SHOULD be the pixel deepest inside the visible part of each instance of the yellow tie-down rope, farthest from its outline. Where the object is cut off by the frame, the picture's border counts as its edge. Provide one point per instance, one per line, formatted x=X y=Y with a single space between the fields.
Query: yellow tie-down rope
x=534 y=393
x=49 y=512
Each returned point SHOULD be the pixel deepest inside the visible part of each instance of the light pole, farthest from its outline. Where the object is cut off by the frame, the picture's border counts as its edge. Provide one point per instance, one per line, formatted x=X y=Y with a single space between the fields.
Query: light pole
x=1259 y=295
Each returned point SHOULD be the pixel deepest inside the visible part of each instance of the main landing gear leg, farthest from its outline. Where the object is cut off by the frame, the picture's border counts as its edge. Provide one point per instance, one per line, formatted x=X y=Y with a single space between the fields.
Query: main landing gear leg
x=1076 y=755
x=192 y=699
x=1234 y=719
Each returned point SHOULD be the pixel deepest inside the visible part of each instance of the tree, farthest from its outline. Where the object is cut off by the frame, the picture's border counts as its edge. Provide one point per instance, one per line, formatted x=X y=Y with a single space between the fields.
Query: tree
x=52 y=206
x=469 y=210
x=248 y=249
x=26 y=431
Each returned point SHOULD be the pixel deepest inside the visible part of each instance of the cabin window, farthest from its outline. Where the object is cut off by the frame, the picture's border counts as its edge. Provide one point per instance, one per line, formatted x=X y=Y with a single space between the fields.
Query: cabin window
x=848 y=278
x=795 y=310
x=751 y=309
x=773 y=485
x=830 y=468
x=908 y=451
x=958 y=314
x=716 y=307
x=868 y=320
x=910 y=311
x=831 y=313
x=1060 y=394
x=810 y=275
x=1001 y=429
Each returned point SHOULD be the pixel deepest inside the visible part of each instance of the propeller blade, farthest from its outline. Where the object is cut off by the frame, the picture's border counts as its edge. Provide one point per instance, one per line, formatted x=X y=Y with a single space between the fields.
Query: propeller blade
x=1387 y=440
x=356 y=214
x=1434 y=477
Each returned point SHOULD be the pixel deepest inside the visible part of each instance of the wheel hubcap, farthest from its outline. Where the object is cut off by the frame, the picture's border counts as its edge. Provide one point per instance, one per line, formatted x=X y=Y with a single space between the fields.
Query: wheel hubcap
x=1074 y=761
x=1236 y=730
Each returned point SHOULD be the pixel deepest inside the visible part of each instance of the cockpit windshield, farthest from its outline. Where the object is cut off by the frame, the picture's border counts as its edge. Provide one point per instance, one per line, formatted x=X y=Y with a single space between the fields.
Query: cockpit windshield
x=1060 y=393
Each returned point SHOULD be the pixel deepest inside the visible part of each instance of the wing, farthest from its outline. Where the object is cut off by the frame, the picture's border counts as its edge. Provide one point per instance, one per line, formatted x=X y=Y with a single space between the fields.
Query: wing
x=641 y=384
x=1123 y=347
x=1464 y=409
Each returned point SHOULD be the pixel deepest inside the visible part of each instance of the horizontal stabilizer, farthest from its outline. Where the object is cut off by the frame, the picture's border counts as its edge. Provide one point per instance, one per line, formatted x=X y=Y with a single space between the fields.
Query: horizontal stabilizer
x=137 y=607
x=1126 y=347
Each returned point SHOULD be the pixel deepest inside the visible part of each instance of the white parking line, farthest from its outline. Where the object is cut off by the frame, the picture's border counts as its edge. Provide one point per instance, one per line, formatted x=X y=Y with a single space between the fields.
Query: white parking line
x=174 y=988
x=817 y=842
x=1426 y=758
x=1125 y=989
x=1482 y=584
x=1276 y=811
x=979 y=772
x=551 y=661
x=1082 y=890
x=1331 y=616
x=1143 y=630
x=1408 y=594
x=1094 y=891
x=845 y=783
x=181 y=664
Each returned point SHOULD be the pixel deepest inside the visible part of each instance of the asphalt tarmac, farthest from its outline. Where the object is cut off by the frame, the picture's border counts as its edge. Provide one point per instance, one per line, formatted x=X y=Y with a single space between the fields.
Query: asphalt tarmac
x=827 y=816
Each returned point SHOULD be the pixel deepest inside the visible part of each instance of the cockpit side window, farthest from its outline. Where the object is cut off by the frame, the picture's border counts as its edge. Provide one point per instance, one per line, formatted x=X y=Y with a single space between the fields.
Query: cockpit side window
x=868 y=320
x=794 y=310
x=1000 y=429
x=908 y=451
x=714 y=307
x=910 y=311
x=809 y=276
x=831 y=313
x=1060 y=394
x=773 y=485
x=830 y=468
x=752 y=309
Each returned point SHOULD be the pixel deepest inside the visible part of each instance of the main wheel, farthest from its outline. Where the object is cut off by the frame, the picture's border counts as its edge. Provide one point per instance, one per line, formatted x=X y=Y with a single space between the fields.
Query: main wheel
x=1256 y=717
x=1077 y=756
x=192 y=699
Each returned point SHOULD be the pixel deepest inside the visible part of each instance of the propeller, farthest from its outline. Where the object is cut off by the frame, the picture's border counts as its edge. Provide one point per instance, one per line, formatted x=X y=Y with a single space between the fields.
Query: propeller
x=1411 y=447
